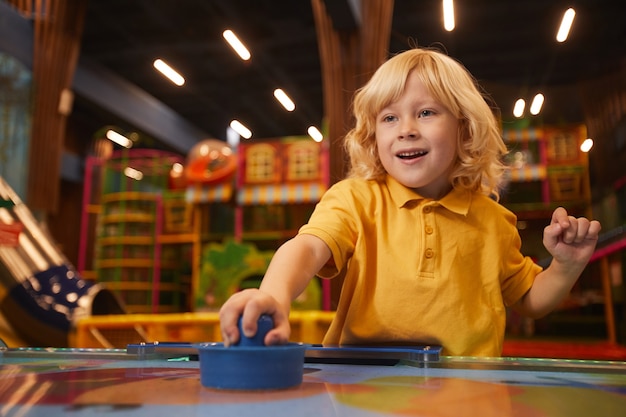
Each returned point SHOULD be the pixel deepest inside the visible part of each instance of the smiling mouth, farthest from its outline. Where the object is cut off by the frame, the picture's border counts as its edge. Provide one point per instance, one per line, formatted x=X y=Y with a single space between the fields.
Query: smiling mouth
x=411 y=155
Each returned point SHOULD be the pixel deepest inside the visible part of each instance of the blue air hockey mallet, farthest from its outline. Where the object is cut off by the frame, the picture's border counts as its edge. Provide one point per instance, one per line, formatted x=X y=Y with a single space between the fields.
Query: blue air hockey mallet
x=250 y=365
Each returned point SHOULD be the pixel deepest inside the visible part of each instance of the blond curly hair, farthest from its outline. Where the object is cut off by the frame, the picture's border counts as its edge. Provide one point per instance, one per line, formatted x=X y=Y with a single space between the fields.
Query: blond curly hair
x=480 y=148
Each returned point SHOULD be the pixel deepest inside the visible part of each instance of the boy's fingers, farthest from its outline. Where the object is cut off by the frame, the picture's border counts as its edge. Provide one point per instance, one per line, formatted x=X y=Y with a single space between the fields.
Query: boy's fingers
x=266 y=305
x=250 y=305
x=230 y=333
x=250 y=318
x=279 y=335
x=594 y=229
x=552 y=232
x=229 y=315
x=583 y=229
x=570 y=232
x=559 y=216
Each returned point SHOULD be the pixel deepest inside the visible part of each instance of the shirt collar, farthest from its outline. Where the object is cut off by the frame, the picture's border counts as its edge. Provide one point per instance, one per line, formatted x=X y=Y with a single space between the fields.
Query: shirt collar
x=457 y=201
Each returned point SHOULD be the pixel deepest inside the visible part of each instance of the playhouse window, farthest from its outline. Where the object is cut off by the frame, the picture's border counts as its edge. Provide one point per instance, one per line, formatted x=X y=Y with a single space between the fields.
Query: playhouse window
x=261 y=163
x=303 y=162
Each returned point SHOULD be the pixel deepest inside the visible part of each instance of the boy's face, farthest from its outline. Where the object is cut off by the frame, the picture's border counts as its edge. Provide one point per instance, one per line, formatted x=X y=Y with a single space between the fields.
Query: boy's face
x=416 y=138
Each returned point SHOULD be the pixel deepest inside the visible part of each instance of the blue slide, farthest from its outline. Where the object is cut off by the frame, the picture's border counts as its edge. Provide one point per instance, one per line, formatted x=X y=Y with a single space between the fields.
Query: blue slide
x=41 y=294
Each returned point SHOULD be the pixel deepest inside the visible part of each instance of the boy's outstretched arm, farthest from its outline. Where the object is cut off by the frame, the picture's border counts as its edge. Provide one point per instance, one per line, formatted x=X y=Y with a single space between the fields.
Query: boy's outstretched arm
x=294 y=264
x=571 y=242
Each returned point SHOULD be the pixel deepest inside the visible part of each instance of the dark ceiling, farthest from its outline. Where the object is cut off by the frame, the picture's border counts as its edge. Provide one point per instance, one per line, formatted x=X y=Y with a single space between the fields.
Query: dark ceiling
x=508 y=45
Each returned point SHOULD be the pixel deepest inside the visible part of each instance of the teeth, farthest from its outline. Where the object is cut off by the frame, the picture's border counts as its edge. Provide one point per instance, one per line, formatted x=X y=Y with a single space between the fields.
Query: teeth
x=411 y=154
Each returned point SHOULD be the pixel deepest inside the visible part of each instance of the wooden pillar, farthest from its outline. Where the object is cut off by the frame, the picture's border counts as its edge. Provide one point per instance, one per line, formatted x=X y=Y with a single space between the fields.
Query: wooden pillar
x=58 y=29
x=348 y=59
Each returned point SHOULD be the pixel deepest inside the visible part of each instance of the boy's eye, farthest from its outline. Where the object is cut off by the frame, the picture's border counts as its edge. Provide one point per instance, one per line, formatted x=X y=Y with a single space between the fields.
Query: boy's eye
x=389 y=118
x=424 y=113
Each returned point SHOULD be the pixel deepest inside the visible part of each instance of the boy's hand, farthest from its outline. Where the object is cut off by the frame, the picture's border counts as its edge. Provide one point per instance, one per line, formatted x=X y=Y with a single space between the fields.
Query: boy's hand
x=250 y=304
x=570 y=239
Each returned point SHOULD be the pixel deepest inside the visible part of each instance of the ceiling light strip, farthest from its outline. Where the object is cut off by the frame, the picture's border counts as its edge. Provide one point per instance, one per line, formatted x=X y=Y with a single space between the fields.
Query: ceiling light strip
x=315 y=134
x=566 y=25
x=448 y=15
x=169 y=72
x=536 y=104
x=284 y=99
x=518 y=108
x=118 y=138
x=239 y=127
x=236 y=44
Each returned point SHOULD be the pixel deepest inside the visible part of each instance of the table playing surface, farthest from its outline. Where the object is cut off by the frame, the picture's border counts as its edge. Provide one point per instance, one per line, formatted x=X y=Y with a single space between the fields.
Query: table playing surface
x=79 y=382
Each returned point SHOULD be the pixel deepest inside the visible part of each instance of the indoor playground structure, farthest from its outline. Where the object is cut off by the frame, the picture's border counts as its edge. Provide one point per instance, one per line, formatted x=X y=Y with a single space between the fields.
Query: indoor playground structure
x=175 y=235
x=134 y=239
x=169 y=234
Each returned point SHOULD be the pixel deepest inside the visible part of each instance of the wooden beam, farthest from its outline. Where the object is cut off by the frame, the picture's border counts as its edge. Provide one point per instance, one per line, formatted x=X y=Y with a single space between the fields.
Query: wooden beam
x=348 y=59
x=58 y=30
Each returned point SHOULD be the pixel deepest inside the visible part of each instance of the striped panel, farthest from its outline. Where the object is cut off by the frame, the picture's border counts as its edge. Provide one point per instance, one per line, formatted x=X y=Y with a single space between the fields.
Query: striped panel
x=522 y=135
x=527 y=173
x=208 y=194
x=281 y=194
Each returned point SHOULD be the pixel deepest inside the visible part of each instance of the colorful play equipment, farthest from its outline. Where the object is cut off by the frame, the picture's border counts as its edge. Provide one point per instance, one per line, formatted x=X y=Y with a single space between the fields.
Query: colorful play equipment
x=230 y=266
x=277 y=183
x=547 y=169
x=117 y=331
x=138 y=230
x=210 y=162
x=166 y=248
x=42 y=296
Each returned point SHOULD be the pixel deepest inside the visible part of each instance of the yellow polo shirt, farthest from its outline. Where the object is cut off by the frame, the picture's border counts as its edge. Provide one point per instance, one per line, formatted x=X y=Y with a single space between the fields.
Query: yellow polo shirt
x=419 y=270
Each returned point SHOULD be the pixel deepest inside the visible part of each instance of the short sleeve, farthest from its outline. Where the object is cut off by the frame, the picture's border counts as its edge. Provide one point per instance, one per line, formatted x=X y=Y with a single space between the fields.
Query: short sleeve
x=335 y=221
x=519 y=271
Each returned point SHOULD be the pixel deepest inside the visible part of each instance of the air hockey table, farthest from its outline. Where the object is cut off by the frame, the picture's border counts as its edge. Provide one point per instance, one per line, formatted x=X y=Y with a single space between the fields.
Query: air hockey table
x=93 y=382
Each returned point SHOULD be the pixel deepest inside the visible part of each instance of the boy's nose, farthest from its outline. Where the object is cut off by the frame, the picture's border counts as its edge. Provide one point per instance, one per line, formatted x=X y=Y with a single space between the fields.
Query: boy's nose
x=408 y=130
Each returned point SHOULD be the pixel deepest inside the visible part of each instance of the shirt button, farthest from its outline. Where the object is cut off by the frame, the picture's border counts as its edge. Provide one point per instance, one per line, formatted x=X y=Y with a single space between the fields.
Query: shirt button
x=428 y=230
x=429 y=253
x=428 y=209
